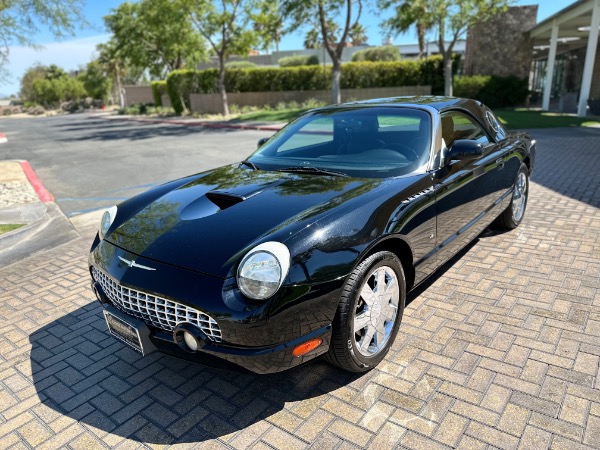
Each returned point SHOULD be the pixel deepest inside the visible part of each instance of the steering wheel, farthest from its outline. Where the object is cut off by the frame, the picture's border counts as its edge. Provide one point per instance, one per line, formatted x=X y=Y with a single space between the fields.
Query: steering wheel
x=405 y=150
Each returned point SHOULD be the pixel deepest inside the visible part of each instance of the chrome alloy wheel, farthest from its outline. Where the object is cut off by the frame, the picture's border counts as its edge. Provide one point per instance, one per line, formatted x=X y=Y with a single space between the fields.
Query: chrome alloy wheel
x=519 y=197
x=376 y=311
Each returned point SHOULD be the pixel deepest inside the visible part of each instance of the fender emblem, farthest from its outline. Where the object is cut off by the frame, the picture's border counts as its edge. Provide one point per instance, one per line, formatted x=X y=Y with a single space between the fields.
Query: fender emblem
x=132 y=263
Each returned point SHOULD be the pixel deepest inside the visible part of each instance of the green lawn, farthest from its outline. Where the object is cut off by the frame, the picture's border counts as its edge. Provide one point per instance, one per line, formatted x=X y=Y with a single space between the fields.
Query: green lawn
x=521 y=118
x=512 y=118
x=5 y=228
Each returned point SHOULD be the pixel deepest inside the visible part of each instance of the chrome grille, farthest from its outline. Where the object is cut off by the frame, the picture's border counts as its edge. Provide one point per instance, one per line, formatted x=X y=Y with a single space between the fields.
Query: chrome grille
x=156 y=311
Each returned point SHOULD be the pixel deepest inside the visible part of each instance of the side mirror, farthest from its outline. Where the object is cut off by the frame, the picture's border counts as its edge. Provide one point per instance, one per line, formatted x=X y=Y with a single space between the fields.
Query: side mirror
x=261 y=141
x=465 y=150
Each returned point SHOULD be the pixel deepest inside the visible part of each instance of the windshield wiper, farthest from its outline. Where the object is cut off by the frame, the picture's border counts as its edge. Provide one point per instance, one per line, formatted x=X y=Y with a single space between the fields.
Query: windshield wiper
x=315 y=170
x=250 y=164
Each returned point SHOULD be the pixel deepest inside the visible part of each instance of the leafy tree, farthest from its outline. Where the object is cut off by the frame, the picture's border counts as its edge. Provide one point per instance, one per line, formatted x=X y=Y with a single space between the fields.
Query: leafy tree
x=327 y=13
x=358 y=35
x=22 y=19
x=269 y=25
x=51 y=86
x=226 y=27
x=451 y=18
x=156 y=35
x=34 y=72
x=96 y=80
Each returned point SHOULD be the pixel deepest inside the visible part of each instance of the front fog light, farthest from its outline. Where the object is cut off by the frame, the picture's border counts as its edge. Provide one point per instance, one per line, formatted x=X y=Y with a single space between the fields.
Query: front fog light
x=190 y=341
x=263 y=269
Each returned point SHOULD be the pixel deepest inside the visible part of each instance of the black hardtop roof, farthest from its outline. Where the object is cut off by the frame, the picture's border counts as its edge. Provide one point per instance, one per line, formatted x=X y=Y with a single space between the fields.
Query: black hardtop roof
x=434 y=101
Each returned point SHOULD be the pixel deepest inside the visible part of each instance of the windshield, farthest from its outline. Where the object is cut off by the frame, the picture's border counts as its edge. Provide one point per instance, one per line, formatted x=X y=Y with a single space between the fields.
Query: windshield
x=370 y=142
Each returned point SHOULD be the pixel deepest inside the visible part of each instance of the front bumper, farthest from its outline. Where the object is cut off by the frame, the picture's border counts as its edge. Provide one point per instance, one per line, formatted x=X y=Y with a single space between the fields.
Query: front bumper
x=259 y=337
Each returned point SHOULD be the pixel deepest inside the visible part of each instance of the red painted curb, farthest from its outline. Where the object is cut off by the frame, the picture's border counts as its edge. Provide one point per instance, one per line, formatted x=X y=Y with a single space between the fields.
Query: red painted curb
x=36 y=183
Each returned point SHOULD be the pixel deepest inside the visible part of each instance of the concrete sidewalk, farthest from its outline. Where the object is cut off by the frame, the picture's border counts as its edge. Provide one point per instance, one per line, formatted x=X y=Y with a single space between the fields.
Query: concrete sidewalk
x=24 y=200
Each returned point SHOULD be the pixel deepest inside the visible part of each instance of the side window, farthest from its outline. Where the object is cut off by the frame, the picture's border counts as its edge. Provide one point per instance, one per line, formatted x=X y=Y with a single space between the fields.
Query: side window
x=319 y=131
x=456 y=125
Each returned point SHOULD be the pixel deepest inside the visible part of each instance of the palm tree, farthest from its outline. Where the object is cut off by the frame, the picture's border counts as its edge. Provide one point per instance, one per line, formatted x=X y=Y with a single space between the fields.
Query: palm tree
x=358 y=35
x=407 y=14
x=312 y=39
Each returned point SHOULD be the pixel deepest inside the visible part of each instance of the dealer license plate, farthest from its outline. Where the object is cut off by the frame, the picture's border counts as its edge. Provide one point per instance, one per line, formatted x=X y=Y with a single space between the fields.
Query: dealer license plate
x=124 y=332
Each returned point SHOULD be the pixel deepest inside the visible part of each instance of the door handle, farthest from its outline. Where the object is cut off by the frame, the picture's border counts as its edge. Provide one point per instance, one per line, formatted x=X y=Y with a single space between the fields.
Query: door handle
x=500 y=163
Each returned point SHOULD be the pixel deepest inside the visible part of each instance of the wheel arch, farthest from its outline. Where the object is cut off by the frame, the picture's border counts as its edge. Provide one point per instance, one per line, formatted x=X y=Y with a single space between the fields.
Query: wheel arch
x=399 y=247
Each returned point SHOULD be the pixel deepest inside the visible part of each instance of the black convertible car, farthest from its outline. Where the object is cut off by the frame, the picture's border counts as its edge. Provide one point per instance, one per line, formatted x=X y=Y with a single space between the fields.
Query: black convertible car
x=310 y=245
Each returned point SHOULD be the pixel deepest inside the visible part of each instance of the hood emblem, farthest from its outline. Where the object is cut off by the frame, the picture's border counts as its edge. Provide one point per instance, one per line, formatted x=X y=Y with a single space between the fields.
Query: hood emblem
x=132 y=263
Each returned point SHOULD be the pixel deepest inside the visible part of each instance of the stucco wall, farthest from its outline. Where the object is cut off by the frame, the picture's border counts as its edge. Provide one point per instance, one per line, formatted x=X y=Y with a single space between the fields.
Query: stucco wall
x=211 y=103
x=138 y=94
x=502 y=46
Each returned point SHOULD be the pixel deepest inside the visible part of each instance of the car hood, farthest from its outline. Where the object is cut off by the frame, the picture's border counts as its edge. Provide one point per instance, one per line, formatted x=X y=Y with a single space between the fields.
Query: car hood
x=209 y=222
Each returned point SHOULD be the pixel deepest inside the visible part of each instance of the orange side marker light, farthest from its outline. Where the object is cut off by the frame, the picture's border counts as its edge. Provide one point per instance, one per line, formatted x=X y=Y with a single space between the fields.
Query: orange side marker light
x=306 y=347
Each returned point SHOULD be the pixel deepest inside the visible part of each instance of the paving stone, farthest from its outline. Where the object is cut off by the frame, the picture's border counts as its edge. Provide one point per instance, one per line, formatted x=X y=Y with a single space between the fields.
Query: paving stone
x=500 y=350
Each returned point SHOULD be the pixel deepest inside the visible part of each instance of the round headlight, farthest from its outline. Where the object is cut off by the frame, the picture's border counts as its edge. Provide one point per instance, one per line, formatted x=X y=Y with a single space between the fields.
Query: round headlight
x=263 y=269
x=107 y=219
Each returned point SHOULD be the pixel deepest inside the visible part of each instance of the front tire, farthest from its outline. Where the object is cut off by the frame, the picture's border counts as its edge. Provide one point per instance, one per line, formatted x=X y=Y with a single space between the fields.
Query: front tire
x=513 y=215
x=369 y=313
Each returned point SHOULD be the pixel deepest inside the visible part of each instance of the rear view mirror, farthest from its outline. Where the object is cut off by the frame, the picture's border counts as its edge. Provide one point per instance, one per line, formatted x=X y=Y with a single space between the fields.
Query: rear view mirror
x=261 y=141
x=465 y=150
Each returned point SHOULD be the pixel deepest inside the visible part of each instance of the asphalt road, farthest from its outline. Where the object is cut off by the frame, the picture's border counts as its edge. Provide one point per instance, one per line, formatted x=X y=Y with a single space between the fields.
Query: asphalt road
x=88 y=162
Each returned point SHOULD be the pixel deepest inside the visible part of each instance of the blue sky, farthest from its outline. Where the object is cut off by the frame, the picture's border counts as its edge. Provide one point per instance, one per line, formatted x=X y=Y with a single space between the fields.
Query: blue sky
x=79 y=49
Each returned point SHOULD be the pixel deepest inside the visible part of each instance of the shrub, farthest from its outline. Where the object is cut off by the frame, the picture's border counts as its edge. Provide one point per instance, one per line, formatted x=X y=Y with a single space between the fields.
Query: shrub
x=470 y=86
x=385 y=53
x=182 y=83
x=495 y=92
x=299 y=60
x=159 y=88
x=240 y=65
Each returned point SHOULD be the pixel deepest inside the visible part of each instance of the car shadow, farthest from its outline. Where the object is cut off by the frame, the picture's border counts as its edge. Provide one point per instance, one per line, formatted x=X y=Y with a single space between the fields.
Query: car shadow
x=80 y=371
x=135 y=131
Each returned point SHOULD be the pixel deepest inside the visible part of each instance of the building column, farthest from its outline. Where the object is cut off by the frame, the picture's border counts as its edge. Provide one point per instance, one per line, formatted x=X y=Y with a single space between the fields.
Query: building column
x=550 y=66
x=590 y=57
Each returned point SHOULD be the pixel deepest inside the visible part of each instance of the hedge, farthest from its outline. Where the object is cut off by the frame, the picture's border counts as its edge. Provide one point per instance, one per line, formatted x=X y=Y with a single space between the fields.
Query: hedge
x=298 y=60
x=495 y=92
x=159 y=88
x=355 y=75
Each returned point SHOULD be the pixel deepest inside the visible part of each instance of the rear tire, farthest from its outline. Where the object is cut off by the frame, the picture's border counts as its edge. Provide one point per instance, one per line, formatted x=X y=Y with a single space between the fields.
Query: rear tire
x=369 y=313
x=513 y=215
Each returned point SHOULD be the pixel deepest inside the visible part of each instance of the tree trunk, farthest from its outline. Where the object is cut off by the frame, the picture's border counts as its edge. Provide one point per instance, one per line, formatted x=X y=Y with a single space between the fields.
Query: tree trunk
x=421 y=30
x=221 y=85
x=448 y=74
x=336 y=76
x=119 y=86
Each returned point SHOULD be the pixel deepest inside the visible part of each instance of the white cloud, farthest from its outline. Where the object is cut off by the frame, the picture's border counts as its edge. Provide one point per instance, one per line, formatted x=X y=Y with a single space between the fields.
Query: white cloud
x=69 y=55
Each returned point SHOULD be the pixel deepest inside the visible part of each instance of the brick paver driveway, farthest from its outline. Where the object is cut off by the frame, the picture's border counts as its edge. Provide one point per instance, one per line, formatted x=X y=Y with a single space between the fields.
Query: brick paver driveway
x=501 y=350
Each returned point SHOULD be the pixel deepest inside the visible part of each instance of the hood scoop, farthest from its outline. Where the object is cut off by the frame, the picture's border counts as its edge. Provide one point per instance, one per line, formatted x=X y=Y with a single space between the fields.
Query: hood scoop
x=224 y=200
